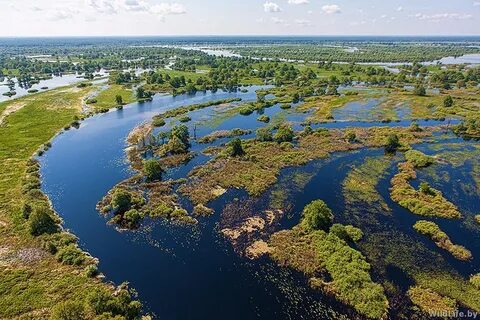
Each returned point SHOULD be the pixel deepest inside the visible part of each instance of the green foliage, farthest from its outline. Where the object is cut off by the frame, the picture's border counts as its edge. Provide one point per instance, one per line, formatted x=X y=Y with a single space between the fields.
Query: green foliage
x=264 y=118
x=236 y=148
x=475 y=280
x=152 y=169
x=347 y=233
x=430 y=301
x=185 y=119
x=71 y=255
x=176 y=146
x=264 y=134
x=426 y=189
x=392 y=143
x=91 y=271
x=158 y=122
x=132 y=218
x=121 y=200
x=350 y=136
x=119 y=100
x=448 y=102
x=316 y=215
x=101 y=301
x=284 y=134
x=41 y=221
x=68 y=310
x=419 y=90
x=418 y=158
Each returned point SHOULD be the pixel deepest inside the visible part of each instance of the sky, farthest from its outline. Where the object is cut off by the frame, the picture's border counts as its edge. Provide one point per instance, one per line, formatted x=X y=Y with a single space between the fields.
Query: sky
x=238 y=17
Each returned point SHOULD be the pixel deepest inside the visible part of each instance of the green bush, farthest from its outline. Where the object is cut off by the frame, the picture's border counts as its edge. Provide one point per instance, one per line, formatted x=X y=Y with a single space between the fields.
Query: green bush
x=264 y=134
x=68 y=310
x=448 y=102
x=426 y=189
x=419 y=159
x=392 y=143
x=121 y=200
x=317 y=215
x=235 y=148
x=91 y=271
x=41 y=222
x=71 y=255
x=152 y=169
x=475 y=280
x=132 y=218
x=264 y=118
x=158 y=122
x=284 y=134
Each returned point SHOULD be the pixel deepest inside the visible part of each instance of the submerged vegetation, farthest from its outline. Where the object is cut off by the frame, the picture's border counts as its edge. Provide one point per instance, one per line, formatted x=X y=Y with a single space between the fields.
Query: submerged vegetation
x=441 y=239
x=426 y=201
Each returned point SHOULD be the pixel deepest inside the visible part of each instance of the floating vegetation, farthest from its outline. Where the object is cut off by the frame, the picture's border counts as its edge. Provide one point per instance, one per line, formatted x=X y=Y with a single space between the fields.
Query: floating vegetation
x=259 y=167
x=332 y=265
x=441 y=239
x=361 y=182
x=431 y=302
x=425 y=202
x=223 y=134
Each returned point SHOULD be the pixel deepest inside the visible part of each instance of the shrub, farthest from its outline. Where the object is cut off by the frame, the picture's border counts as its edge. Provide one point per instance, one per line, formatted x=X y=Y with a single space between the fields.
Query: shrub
x=350 y=136
x=419 y=90
x=185 y=119
x=158 y=122
x=448 y=102
x=414 y=127
x=392 y=143
x=285 y=106
x=347 y=233
x=176 y=146
x=236 y=148
x=477 y=218
x=68 y=310
x=121 y=200
x=91 y=271
x=41 y=222
x=355 y=234
x=425 y=188
x=475 y=280
x=101 y=301
x=317 y=215
x=264 y=118
x=152 y=169
x=264 y=134
x=71 y=255
x=132 y=218
x=284 y=134
x=26 y=211
x=419 y=159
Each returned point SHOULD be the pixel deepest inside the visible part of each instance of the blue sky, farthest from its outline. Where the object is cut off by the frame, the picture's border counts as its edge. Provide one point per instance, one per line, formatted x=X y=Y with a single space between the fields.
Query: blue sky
x=239 y=17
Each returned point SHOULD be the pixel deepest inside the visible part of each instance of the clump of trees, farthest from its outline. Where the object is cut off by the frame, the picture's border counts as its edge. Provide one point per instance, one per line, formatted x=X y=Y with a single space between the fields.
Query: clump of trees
x=392 y=143
x=235 y=148
x=284 y=134
x=317 y=216
x=152 y=169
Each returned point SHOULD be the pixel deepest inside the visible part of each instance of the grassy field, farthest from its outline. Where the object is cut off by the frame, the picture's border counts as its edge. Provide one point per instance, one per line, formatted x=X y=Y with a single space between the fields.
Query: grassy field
x=106 y=98
x=32 y=281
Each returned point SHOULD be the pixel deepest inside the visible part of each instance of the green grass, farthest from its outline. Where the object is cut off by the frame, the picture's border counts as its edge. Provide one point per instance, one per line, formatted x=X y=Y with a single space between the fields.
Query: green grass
x=32 y=289
x=106 y=98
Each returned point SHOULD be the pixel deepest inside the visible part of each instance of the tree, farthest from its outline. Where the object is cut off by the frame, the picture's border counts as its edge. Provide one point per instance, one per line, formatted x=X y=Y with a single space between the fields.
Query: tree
x=426 y=189
x=284 y=134
x=392 y=143
x=41 y=222
x=121 y=200
x=181 y=132
x=236 y=148
x=140 y=93
x=119 y=100
x=419 y=90
x=317 y=215
x=152 y=169
x=264 y=134
x=448 y=102
x=176 y=146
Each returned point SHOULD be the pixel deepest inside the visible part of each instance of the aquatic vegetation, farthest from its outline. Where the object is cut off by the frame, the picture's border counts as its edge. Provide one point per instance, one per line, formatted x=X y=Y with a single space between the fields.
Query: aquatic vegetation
x=152 y=169
x=431 y=302
x=215 y=135
x=419 y=159
x=475 y=280
x=181 y=111
x=259 y=168
x=430 y=204
x=235 y=148
x=361 y=182
x=317 y=252
x=441 y=239
x=264 y=118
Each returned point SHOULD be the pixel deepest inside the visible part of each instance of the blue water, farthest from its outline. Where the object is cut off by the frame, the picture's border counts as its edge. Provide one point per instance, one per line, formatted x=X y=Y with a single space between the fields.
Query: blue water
x=188 y=272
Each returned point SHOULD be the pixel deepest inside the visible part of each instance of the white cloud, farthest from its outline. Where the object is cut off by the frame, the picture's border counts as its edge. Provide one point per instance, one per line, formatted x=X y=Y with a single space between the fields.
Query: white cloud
x=298 y=1
x=164 y=9
x=61 y=14
x=476 y=3
x=400 y=8
x=271 y=7
x=135 y=5
x=277 y=20
x=303 y=22
x=331 y=9
x=442 y=16
x=103 y=6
